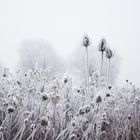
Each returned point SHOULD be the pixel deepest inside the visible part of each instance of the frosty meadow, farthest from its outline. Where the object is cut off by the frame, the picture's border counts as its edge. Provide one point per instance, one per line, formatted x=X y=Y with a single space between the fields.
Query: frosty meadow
x=43 y=100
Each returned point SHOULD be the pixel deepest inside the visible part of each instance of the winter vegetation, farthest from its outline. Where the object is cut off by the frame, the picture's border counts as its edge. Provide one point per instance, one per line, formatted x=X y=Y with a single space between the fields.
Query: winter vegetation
x=43 y=101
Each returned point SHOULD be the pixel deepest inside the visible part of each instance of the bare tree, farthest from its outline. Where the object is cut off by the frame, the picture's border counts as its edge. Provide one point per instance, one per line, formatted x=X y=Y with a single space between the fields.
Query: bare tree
x=38 y=53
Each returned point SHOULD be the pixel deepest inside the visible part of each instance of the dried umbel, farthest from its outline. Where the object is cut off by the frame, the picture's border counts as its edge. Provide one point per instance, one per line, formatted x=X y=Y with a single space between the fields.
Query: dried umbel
x=55 y=98
x=11 y=109
x=44 y=121
x=102 y=45
x=109 y=53
x=86 y=41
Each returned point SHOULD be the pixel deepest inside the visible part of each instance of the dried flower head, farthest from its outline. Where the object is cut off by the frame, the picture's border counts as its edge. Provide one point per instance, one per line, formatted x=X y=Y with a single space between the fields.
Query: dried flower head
x=109 y=53
x=82 y=111
x=44 y=121
x=45 y=97
x=98 y=99
x=108 y=95
x=26 y=121
x=55 y=98
x=65 y=80
x=102 y=45
x=11 y=109
x=129 y=116
x=86 y=41
x=73 y=123
x=87 y=109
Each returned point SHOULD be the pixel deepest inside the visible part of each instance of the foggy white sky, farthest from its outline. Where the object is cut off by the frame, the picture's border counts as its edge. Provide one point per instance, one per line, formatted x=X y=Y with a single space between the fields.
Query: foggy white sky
x=63 y=23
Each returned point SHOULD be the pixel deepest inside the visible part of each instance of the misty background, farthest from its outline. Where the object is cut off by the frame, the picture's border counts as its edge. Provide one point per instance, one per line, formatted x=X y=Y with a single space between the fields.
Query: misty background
x=62 y=24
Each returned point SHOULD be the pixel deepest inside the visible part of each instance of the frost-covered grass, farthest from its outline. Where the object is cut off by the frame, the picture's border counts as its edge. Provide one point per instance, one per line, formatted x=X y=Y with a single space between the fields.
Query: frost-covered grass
x=37 y=106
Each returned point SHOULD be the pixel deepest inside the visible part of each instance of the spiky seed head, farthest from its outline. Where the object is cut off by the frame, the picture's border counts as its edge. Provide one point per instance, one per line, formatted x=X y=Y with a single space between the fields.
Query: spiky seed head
x=44 y=121
x=102 y=45
x=98 y=99
x=44 y=97
x=11 y=109
x=109 y=53
x=86 y=41
x=81 y=111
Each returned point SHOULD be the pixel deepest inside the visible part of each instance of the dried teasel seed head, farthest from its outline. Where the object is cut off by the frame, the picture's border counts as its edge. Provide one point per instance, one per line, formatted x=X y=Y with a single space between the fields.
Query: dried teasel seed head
x=102 y=45
x=82 y=111
x=45 y=97
x=44 y=121
x=98 y=99
x=86 y=41
x=109 y=53
x=11 y=109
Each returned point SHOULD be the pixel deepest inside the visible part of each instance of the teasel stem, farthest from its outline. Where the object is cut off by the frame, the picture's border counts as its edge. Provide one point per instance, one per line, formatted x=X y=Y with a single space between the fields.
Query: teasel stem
x=102 y=55
x=87 y=69
x=108 y=75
